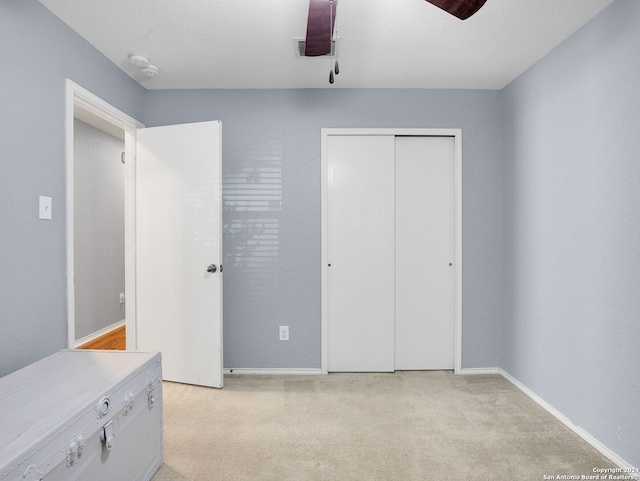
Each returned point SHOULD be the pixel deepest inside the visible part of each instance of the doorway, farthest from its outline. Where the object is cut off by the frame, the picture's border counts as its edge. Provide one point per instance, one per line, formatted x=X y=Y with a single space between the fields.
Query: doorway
x=173 y=237
x=99 y=238
x=371 y=318
x=98 y=116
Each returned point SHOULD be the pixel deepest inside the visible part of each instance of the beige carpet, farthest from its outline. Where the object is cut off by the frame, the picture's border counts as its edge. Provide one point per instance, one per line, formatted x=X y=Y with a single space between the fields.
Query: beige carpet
x=404 y=426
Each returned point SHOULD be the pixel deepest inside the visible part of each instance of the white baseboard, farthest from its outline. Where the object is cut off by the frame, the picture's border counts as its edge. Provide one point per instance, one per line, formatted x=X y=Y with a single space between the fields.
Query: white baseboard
x=101 y=332
x=574 y=427
x=317 y=372
x=274 y=371
x=479 y=370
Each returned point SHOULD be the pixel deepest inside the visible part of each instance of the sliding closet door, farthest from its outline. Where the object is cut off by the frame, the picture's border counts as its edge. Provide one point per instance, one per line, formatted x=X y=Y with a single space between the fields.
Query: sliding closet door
x=425 y=276
x=360 y=246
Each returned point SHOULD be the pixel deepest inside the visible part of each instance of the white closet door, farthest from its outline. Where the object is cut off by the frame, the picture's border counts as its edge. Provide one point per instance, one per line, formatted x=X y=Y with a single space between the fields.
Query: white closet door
x=360 y=317
x=425 y=205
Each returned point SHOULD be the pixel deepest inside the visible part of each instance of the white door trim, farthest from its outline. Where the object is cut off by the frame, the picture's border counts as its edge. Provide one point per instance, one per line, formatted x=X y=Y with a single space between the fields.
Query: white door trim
x=77 y=100
x=457 y=134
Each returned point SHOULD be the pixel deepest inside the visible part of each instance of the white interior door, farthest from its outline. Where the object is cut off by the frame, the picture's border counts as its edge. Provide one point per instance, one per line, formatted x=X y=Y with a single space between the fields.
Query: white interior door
x=178 y=236
x=425 y=242
x=360 y=249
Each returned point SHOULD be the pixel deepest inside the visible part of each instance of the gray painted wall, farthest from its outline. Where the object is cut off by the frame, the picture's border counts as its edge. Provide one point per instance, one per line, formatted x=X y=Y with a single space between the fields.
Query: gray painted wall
x=271 y=176
x=98 y=229
x=571 y=228
x=37 y=53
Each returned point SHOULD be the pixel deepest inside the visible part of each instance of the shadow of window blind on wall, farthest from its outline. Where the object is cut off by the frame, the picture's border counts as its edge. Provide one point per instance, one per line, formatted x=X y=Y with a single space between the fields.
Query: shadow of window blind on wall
x=252 y=203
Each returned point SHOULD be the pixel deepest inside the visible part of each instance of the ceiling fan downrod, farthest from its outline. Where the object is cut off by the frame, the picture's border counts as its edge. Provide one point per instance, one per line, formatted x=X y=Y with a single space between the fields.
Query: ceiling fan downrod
x=331 y=37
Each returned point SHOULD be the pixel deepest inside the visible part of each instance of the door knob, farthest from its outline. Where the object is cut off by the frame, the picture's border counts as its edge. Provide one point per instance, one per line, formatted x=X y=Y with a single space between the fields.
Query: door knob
x=212 y=268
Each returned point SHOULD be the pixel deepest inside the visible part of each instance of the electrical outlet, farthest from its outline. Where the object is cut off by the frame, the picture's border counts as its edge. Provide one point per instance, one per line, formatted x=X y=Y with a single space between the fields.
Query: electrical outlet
x=44 y=207
x=122 y=298
x=284 y=333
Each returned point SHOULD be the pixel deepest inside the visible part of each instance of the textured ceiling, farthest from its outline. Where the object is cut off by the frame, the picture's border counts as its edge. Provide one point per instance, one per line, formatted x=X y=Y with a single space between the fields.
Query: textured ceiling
x=383 y=43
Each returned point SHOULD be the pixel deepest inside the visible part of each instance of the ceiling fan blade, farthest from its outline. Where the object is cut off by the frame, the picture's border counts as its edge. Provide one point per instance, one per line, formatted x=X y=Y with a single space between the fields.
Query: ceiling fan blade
x=462 y=9
x=322 y=19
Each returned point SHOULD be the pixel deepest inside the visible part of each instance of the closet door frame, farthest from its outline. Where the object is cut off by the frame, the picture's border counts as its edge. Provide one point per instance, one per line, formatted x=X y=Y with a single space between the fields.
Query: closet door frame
x=457 y=135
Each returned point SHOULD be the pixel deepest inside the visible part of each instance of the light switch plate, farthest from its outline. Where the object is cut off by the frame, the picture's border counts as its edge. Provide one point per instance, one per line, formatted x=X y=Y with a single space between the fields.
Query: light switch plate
x=44 y=210
x=284 y=333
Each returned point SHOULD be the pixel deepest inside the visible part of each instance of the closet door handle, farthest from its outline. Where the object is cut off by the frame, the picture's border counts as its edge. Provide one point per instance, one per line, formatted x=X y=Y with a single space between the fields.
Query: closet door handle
x=212 y=268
